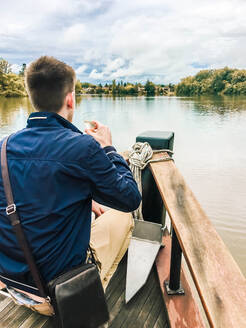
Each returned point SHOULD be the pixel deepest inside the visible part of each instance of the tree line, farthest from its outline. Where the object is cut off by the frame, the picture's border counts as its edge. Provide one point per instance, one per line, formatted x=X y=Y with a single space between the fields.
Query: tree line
x=123 y=88
x=226 y=81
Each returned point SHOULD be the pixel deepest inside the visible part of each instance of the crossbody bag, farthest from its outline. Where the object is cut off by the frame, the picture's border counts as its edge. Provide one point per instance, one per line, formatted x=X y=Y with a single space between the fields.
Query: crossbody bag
x=77 y=296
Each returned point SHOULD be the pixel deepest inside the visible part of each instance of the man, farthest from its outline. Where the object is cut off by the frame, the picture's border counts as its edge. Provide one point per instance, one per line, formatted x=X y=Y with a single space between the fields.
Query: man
x=55 y=172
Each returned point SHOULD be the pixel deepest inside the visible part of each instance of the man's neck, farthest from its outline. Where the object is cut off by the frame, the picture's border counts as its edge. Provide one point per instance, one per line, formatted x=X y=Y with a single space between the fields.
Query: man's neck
x=66 y=113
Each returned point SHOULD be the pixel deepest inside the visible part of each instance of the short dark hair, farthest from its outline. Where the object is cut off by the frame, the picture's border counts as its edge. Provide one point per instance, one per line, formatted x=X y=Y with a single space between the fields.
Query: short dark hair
x=48 y=81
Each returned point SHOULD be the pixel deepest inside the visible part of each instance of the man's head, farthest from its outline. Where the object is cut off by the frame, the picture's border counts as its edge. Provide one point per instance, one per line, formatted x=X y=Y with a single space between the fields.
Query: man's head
x=50 y=85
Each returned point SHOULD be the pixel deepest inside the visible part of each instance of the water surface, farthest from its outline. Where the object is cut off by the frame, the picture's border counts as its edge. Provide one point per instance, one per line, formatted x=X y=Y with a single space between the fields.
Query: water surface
x=210 y=146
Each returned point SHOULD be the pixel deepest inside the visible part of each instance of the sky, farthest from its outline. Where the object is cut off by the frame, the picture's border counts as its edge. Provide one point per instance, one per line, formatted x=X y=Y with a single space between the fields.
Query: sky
x=129 y=40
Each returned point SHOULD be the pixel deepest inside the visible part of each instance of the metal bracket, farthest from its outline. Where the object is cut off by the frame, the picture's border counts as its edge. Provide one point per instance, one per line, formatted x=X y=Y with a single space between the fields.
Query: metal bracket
x=179 y=291
x=10 y=209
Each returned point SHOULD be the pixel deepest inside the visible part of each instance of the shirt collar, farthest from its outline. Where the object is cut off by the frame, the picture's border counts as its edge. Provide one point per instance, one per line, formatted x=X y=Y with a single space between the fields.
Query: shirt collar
x=43 y=119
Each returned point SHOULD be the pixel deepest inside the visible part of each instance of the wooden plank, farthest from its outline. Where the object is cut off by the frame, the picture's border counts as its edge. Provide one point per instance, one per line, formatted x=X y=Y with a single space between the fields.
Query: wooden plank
x=115 y=310
x=17 y=318
x=162 y=320
x=158 y=308
x=39 y=322
x=116 y=299
x=182 y=310
x=116 y=294
x=153 y=315
x=151 y=300
x=49 y=324
x=218 y=279
x=32 y=320
x=4 y=303
x=130 y=311
x=160 y=323
x=117 y=279
x=11 y=319
x=6 y=309
x=2 y=297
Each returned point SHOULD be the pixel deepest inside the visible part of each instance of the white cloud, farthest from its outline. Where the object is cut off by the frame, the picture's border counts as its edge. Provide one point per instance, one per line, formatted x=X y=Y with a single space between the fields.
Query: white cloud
x=80 y=70
x=162 y=40
x=96 y=75
x=16 y=68
x=74 y=34
x=115 y=64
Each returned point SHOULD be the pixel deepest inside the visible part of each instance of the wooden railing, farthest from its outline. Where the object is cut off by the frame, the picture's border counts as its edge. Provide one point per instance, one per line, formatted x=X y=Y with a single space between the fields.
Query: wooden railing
x=218 y=279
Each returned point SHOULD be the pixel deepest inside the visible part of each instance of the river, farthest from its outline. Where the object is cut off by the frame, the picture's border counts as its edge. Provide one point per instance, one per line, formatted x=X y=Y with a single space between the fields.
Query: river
x=210 y=146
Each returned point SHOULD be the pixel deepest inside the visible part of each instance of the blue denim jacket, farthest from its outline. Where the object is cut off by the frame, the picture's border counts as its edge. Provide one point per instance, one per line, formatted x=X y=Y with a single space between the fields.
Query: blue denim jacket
x=55 y=172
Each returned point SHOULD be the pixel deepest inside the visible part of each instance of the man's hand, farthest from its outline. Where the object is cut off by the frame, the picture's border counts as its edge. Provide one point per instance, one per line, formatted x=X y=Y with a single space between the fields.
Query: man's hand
x=97 y=209
x=101 y=133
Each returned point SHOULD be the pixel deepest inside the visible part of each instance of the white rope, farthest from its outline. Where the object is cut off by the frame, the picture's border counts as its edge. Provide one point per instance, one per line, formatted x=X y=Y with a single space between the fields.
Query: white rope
x=139 y=157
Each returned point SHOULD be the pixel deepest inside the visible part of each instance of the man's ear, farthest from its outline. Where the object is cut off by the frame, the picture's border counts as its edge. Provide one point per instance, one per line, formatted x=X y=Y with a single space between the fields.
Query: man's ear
x=70 y=100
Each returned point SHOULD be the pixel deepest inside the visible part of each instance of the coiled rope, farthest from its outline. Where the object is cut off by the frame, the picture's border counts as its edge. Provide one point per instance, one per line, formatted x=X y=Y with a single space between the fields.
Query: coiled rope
x=139 y=157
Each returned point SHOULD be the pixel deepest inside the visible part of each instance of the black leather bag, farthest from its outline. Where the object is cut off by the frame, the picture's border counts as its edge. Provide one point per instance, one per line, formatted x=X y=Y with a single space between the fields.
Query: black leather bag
x=78 y=298
x=77 y=295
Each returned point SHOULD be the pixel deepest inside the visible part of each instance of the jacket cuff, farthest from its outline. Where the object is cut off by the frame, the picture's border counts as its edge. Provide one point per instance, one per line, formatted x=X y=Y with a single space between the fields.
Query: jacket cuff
x=109 y=149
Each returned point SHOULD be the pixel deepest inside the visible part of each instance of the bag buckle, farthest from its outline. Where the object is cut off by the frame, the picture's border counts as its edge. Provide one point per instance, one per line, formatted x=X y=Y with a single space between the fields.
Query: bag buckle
x=10 y=209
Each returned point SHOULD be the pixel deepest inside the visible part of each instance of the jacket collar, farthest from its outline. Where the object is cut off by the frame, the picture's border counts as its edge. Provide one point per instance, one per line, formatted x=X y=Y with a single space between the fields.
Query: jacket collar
x=45 y=119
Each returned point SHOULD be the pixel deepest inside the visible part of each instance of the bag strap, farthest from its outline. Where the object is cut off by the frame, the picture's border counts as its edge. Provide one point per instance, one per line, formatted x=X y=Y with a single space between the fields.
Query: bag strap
x=13 y=216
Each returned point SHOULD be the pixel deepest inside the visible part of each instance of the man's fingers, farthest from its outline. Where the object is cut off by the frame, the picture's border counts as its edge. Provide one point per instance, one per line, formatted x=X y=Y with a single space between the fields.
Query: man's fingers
x=96 y=124
x=90 y=132
x=98 y=212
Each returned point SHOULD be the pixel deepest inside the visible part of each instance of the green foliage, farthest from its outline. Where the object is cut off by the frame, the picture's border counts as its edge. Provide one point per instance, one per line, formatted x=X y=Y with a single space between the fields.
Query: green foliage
x=11 y=85
x=78 y=87
x=149 y=88
x=85 y=85
x=219 y=81
x=5 y=67
x=114 y=88
x=203 y=75
x=120 y=88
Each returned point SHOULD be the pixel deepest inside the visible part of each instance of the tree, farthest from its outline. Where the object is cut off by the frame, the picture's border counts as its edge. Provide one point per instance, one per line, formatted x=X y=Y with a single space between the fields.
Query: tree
x=11 y=85
x=99 y=89
x=114 y=87
x=5 y=67
x=22 y=71
x=238 y=76
x=85 y=84
x=149 y=88
x=78 y=87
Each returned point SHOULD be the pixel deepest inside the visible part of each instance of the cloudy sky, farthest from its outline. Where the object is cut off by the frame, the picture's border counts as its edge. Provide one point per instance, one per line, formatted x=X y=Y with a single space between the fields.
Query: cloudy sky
x=130 y=40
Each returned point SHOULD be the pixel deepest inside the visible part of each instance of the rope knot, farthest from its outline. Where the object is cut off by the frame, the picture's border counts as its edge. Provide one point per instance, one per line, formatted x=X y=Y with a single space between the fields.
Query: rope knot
x=139 y=157
x=140 y=154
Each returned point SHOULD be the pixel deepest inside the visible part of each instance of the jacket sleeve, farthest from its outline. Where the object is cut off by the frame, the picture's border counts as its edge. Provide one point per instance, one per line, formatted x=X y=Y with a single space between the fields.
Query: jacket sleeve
x=112 y=182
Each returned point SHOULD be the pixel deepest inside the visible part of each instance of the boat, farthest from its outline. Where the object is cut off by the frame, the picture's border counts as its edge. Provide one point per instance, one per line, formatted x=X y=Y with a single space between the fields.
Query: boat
x=194 y=282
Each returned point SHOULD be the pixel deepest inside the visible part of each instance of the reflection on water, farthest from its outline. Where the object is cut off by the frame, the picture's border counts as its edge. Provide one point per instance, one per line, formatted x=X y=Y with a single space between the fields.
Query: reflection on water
x=13 y=114
x=210 y=143
x=221 y=105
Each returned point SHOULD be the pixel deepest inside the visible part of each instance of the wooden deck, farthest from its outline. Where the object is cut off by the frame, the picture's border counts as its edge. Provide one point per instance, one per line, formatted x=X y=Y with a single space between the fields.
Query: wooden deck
x=146 y=309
